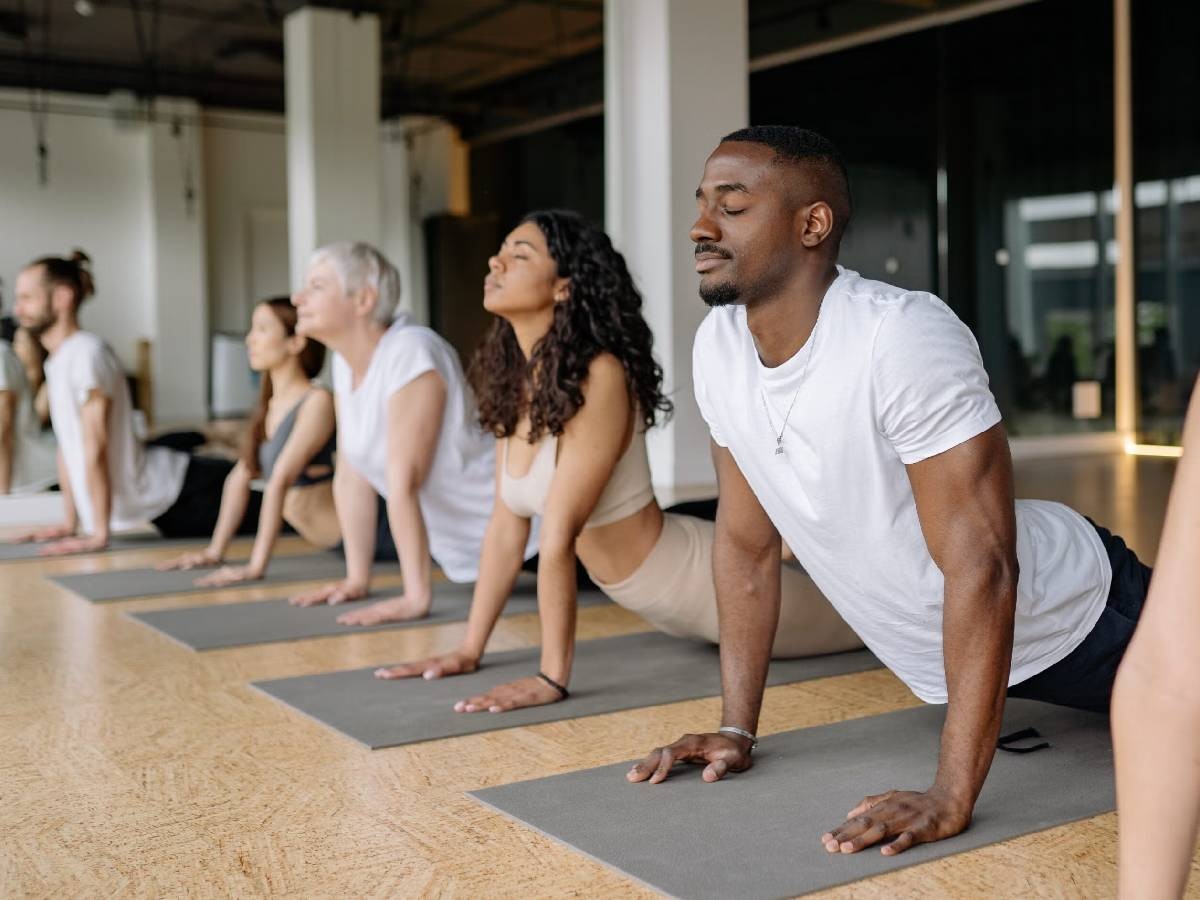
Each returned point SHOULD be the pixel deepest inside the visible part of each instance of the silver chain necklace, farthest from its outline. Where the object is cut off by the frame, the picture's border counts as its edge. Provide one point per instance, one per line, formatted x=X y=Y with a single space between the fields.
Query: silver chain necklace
x=762 y=392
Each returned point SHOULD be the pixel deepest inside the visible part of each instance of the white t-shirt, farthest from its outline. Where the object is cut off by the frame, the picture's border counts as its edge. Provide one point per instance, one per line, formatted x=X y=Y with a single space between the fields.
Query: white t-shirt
x=145 y=481
x=33 y=466
x=456 y=498
x=894 y=378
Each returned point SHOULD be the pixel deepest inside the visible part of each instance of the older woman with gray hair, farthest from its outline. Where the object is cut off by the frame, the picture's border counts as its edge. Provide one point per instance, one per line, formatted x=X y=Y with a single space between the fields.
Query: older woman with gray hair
x=407 y=432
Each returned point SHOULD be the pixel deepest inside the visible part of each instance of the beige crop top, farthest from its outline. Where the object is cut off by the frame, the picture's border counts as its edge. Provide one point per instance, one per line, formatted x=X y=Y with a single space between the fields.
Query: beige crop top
x=628 y=489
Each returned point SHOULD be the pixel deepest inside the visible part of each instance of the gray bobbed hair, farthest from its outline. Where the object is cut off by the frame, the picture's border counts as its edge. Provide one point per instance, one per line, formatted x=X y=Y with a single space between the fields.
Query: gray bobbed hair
x=359 y=265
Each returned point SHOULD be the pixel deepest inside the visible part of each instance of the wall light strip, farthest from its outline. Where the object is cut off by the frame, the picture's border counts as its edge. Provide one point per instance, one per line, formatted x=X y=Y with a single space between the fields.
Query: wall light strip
x=1135 y=449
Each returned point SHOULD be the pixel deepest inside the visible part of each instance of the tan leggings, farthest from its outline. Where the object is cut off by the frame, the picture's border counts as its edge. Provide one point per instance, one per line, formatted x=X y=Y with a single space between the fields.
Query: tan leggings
x=673 y=591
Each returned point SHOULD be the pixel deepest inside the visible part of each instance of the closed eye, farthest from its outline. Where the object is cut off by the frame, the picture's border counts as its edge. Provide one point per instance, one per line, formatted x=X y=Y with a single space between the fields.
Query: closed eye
x=733 y=212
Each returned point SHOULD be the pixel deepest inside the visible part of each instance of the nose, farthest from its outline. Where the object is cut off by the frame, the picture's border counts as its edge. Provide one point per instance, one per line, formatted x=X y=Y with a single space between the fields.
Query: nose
x=704 y=230
x=495 y=264
x=297 y=297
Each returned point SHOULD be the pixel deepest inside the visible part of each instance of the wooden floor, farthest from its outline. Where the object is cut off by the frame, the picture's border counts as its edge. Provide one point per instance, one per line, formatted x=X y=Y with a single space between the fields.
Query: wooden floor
x=132 y=767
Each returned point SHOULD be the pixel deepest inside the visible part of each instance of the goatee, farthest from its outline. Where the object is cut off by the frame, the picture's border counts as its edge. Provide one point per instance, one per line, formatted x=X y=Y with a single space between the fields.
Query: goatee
x=723 y=294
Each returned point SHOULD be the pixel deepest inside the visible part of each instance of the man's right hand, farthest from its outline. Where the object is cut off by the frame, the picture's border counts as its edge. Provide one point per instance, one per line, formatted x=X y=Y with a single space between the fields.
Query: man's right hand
x=718 y=753
x=337 y=592
x=197 y=559
x=457 y=662
x=50 y=533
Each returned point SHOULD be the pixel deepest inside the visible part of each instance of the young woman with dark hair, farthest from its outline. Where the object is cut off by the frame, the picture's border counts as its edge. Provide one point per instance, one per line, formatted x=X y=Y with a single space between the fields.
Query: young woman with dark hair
x=288 y=443
x=568 y=382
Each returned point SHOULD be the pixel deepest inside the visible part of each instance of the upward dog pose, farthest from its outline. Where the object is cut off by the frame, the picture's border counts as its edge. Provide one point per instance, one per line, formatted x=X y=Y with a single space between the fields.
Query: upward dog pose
x=859 y=416
x=406 y=433
x=567 y=381
x=109 y=480
x=289 y=443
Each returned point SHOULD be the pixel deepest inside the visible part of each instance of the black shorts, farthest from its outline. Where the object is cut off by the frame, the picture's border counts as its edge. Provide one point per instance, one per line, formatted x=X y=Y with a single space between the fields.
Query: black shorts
x=194 y=512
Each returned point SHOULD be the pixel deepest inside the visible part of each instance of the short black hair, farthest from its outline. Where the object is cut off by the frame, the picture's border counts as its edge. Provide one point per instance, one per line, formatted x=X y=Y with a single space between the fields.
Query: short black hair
x=800 y=145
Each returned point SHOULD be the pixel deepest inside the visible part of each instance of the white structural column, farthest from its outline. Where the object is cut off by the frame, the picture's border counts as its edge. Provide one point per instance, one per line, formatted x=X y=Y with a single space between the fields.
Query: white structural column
x=675 y=82
x=426 y=171
x=178 y=275
x=332 y=95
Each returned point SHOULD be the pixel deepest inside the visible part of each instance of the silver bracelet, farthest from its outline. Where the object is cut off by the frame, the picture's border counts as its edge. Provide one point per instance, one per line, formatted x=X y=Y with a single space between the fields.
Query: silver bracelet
x=740 y=732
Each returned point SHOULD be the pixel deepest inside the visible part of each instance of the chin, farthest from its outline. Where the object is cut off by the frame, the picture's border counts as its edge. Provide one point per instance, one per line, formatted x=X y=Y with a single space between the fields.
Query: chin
x=721 y=293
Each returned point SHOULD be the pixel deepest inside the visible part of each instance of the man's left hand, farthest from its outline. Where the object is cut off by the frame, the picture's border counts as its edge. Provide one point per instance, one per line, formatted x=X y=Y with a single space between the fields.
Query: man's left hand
x=899 y=820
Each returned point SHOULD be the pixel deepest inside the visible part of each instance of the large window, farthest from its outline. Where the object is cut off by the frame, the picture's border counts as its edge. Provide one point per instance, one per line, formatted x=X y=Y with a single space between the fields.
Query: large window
x=1166 y=159
x=981 y=156
x=886 y=128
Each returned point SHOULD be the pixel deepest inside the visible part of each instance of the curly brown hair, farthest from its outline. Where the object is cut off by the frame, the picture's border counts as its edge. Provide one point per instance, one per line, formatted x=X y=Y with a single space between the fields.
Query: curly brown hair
x=602 y=315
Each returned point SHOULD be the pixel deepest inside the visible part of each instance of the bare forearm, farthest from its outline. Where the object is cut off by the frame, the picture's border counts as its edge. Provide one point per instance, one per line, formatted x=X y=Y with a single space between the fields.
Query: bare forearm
x=270 y=521
x=6 y=458
x=100 y=489
x=70 y=514
x=557 y=608
x=235 y=496
x=356 y=511
x=1156 y=717
x=977 y=630
x=499 y=565
x=412 y=542
x=747 y=586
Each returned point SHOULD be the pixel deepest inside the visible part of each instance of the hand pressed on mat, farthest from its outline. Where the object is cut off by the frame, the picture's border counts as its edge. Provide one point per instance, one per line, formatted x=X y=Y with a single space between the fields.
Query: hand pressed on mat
x=902 y=819
x=718 y=753
x=523 y=692
x=395 y=609
x=335 y=592
x=49 y=533
x=457 y=662
x=195 y=559
x=229 y=575
x=86 y=544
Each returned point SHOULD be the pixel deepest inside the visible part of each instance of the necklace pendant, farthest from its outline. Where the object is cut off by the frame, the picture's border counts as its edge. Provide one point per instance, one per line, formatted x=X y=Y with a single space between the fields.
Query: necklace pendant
x=779 y=450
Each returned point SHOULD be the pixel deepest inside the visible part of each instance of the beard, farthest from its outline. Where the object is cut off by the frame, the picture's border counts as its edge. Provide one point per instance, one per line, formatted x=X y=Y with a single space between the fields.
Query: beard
x=724 y=293
x=39 y=326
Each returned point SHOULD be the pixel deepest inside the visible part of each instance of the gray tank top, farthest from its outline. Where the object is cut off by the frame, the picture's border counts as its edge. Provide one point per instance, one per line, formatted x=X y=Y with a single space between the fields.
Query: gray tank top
x=270 y=449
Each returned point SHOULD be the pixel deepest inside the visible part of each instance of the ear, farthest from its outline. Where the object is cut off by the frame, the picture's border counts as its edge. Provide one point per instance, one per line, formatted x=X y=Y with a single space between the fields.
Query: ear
x=364 y=301
x=562 y=290
x=296 y=344
x=815 y=223
x=60 y=297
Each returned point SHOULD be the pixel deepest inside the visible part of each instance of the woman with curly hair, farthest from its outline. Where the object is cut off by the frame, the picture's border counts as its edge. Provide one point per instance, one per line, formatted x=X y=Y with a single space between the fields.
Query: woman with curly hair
x=568 y=384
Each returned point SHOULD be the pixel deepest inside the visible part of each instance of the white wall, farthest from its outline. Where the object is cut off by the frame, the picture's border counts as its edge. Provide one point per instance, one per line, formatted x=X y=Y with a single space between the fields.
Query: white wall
x=162 y=274
x=97 y=199
x=426 y=171
x=245 y=162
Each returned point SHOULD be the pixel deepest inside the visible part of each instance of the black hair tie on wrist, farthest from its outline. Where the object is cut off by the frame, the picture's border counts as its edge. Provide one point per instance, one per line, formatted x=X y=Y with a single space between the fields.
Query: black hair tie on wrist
x=563 y=693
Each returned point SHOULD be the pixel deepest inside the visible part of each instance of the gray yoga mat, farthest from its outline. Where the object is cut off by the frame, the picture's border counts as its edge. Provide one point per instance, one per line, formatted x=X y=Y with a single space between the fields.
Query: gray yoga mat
x=757 y=834
x=13 y=552
x=125 y=584
x=215 y=626
x=609 y=674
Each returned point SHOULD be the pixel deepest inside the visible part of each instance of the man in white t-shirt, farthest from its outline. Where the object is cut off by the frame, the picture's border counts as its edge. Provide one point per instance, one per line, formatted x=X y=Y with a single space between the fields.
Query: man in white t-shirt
x=109 y=480
x=854 y=419
x=27 y=455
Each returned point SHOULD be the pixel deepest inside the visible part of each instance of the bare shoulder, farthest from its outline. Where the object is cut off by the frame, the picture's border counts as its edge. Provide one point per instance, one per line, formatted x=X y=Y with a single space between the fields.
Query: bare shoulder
x=320 y=400
x=606 y=375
